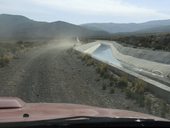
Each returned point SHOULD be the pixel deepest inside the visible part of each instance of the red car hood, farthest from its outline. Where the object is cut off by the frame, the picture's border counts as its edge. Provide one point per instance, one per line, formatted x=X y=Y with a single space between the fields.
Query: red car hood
x=14 y=110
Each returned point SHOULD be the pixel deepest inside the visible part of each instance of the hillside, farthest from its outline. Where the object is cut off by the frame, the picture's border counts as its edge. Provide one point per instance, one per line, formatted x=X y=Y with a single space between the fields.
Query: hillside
x=128 y=27
x=153 y=41
x=20 y=27
x=159 y=29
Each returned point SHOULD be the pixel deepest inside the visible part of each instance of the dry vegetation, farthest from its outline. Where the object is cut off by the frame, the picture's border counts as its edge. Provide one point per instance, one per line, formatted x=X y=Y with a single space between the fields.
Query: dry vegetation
x=9 y=51
x=136 y=89
x=152 y=41
x=155 y=42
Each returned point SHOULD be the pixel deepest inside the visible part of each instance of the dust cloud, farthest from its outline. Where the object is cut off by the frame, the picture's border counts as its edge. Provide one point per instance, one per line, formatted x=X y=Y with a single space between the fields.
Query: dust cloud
x=60 y=44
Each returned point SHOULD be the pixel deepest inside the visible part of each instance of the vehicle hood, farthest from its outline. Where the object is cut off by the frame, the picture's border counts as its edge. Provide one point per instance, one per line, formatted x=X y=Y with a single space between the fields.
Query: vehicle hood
x=14 y=110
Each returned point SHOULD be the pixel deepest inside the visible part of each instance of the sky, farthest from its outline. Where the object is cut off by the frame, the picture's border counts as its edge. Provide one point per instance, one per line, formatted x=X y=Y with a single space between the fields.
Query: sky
x=88 y=11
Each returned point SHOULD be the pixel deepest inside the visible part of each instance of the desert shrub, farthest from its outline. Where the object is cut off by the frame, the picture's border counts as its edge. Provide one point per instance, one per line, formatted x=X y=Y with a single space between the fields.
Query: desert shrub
x=157 y=41
x=90 y=62
x=4 y=60
x=104 y=87
x=128 y=92
x=2 y=51
x=14 y=49
x=10 y=50
x=158 y=107
x=111 y=83
x=115 y=79
x=136 y=91
x=112 y=91
x=140 y=99
x=98 y=69
x=105 y=75
x=147 y=102
x=139 y=87
x=155 y=105
x=97 y=79
x=30 y=44
x=111 y=77
x=102 y=70
x=163 y=108
x=85 y=57
x=20 y=42
x=122 y=82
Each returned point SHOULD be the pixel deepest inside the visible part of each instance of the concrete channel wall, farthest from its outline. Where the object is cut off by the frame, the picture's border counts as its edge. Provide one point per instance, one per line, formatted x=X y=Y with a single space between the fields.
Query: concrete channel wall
x=155 y=87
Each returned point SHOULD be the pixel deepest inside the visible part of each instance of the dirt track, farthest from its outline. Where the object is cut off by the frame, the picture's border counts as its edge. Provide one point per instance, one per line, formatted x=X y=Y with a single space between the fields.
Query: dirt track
x=53 y=74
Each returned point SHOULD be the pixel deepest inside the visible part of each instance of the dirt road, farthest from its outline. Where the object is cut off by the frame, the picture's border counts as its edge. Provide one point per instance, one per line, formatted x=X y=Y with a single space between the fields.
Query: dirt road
x=53 y=74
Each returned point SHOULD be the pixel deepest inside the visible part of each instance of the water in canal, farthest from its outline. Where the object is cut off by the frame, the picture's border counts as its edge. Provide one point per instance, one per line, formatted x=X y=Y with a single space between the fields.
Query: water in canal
x=104 y=53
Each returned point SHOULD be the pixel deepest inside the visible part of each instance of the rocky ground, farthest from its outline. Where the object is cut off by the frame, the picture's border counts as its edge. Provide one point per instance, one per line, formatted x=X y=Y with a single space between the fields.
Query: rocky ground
x=53 y=73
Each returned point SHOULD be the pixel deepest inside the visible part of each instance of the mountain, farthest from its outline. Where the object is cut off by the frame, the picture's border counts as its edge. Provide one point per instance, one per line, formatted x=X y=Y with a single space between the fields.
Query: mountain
x=127 y=27
x=20 y=27
x=160 y=29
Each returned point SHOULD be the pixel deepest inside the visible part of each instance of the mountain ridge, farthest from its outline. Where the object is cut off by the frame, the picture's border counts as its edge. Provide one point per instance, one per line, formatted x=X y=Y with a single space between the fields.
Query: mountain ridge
x=126 y=27
x=20 y=27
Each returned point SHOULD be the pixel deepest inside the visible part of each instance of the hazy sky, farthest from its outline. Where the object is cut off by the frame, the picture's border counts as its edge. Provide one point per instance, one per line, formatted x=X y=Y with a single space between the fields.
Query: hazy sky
x=83 y=11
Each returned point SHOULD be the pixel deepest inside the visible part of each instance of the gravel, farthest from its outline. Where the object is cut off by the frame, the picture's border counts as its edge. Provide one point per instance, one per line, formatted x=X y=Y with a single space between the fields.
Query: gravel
x=54 y=74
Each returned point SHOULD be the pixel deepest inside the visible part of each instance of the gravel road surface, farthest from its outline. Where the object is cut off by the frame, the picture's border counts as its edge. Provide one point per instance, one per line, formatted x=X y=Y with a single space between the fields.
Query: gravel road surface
x=52 y=73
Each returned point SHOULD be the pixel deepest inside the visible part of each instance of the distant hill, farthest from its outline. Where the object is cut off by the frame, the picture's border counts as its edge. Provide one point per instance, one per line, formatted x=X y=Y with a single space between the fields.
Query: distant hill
x=20 y=27
x=159 y=29
x=129 y=27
